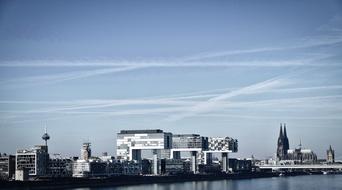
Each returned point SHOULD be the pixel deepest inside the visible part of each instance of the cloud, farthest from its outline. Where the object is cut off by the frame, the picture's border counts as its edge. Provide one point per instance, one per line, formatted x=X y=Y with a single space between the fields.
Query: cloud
x=116 y=67
x=180 y=106
x=104 y=67
x=308 y=42
x=167 y=63
x=214 y=103
x=56 y=78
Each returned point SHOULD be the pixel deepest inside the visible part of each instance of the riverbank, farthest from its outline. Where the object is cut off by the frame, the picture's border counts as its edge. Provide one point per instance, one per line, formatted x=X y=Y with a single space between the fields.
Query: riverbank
x=61 y=183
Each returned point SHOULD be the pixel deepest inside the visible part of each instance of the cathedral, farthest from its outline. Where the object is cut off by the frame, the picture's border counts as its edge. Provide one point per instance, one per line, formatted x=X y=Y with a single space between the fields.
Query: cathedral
x=295 y=156
x=283 y=144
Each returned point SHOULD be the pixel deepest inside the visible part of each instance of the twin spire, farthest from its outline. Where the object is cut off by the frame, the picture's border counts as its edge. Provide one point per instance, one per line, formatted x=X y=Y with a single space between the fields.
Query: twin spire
x=283 y=134
x=283 y=143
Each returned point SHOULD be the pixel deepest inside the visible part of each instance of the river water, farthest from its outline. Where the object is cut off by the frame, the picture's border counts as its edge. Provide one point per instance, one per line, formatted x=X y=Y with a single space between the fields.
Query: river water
x=310 y=182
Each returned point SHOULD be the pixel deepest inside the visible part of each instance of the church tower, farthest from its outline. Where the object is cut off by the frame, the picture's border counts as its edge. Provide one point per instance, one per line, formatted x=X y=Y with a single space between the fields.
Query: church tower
x=283 y=144
x=330 y=155
x=286 y=140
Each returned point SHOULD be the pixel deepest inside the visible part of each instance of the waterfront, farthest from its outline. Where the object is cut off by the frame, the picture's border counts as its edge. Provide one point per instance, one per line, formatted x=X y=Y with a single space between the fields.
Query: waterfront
x=312 y=182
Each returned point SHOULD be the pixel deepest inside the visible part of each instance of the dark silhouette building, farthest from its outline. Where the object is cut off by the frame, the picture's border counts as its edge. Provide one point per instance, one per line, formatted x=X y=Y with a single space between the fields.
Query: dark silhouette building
x=330 y=155
x=295 y=156
x=283 y=144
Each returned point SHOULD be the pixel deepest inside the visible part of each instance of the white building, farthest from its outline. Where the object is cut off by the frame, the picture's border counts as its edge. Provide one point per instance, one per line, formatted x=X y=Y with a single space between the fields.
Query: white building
x=80 y=168
x=86 y=151
x=131 y=142
x=35 y=160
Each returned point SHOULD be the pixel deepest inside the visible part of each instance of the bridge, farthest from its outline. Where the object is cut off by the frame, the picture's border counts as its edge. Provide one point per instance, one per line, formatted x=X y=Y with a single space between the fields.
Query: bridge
x=311 y=166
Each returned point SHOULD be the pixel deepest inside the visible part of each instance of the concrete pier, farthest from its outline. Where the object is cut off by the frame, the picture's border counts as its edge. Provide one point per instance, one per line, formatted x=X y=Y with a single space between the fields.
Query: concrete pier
x=225 y=162
x=194 y=161
x=155 y=162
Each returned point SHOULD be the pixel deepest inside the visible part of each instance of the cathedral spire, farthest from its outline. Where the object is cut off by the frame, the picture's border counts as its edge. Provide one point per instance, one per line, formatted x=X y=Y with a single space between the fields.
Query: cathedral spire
x=281 y=131
x=286 y=140
x=285 y=135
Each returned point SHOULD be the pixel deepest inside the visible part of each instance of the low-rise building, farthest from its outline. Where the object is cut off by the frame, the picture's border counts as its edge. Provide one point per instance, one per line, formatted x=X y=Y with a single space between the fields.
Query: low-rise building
x=174 y=166
x=80 y=168
x=22 y=174
x=210 y=168
x=131 y=168
x=7 y=166
x=240 y=166
x=146 y=166
x=59 y=167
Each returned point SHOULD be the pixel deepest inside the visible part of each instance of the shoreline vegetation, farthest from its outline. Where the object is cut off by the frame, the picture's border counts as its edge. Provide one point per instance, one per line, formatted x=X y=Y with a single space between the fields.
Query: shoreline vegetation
x=115 y=181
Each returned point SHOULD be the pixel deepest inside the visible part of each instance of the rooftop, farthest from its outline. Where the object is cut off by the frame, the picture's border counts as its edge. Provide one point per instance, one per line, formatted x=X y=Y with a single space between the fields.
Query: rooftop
x=141 y=131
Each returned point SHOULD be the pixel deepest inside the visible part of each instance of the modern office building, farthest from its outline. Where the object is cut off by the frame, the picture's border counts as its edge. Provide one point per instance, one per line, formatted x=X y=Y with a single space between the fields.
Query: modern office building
x=164 y=145
x=7 y=166
x=34 y=159
x=131 y=142
x=185 y=141
x=192 y=143
x=222 y=145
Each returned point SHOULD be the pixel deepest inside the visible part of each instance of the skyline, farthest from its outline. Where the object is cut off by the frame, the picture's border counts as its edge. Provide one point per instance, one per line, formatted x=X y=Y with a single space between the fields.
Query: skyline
x=88 y=70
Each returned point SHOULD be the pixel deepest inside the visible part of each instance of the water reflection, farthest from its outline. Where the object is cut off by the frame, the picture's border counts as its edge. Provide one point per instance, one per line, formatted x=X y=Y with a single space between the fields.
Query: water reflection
x=331 y=182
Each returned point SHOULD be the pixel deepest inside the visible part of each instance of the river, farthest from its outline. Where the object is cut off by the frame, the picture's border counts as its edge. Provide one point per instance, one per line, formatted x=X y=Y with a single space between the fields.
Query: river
x=309 y=182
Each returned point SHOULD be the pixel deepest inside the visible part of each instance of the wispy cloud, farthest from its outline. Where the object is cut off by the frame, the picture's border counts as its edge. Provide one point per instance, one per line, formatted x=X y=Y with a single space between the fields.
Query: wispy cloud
x=116 y=67
x=104 y=67
x=179 y=106
x=61 y=77
x=308 y=42
x=215 y=102
x=182 y=99
x=167 y=63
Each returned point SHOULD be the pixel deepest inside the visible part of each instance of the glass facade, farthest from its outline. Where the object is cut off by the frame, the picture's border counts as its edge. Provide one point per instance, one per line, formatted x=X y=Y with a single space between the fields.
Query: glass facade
x=189 y=141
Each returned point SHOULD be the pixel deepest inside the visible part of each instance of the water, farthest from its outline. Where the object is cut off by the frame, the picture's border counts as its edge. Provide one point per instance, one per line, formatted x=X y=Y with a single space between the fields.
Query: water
x=311 y=182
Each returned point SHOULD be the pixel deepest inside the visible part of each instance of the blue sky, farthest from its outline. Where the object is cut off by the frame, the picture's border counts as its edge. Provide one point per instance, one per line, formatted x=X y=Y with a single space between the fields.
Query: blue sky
x=219 y=68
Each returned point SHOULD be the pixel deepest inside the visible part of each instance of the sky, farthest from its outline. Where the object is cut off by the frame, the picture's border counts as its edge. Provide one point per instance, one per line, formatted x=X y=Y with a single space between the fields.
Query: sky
x=88 y=69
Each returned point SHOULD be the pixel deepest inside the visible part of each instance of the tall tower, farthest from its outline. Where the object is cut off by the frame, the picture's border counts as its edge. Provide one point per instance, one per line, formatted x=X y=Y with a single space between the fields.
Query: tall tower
x=282 y=144
x=46 y=137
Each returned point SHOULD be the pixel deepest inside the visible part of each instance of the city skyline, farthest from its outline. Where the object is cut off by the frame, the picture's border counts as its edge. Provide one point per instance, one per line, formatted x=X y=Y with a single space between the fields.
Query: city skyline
x=87 y=70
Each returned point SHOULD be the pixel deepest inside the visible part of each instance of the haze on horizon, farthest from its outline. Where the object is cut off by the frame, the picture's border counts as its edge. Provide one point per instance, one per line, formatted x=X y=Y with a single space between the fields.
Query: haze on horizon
x=87 y=69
